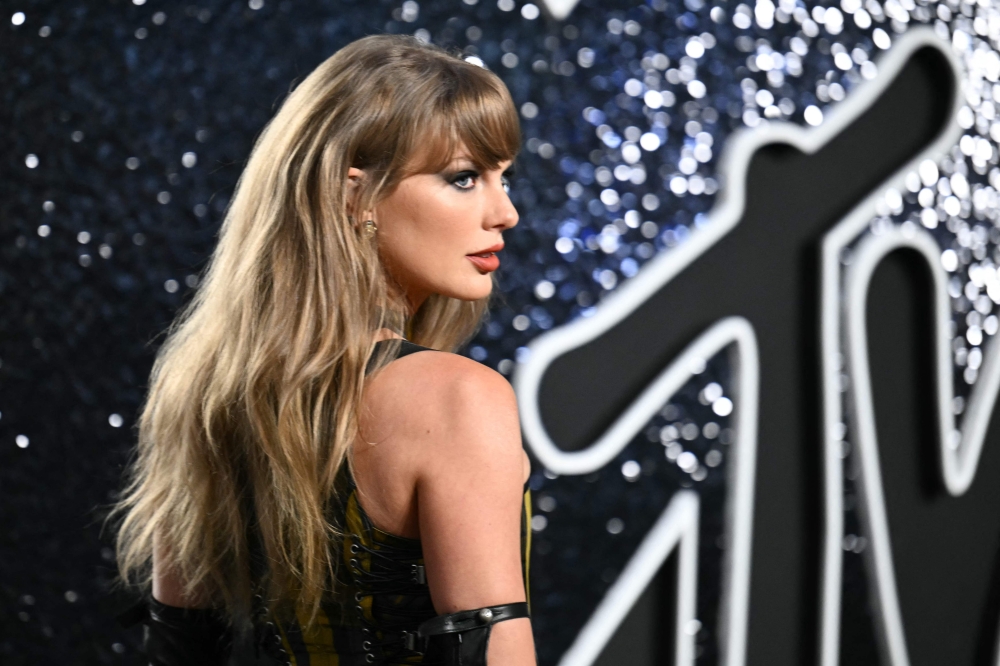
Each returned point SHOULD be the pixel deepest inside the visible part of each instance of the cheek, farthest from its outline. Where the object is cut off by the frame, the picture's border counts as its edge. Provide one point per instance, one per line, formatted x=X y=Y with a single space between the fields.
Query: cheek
x=425 y=238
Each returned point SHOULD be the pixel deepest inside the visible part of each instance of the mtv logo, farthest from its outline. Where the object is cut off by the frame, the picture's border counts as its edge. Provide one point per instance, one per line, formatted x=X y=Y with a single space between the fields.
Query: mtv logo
x=778 y=283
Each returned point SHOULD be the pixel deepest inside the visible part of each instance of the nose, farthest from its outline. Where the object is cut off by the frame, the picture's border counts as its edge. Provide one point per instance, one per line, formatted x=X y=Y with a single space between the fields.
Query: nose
x=502 y=215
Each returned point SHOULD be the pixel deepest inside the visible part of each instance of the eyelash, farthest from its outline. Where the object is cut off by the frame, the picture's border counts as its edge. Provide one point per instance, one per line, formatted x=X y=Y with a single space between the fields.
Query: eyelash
x=473 y=174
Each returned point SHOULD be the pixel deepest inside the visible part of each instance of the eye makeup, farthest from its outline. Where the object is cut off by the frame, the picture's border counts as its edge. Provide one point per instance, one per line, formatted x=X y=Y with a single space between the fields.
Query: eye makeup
x=472 y=174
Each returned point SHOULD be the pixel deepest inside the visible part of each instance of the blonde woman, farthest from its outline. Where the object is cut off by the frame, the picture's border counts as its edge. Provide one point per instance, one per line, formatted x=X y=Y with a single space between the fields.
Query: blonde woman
x=309 y=483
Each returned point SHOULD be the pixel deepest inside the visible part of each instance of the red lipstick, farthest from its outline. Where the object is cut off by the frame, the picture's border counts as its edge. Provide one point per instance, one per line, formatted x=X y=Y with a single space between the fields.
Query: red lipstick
x=486 y=260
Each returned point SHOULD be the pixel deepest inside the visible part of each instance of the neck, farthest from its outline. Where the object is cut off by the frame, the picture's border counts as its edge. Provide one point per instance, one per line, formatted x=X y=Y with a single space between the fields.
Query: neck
x=414 y=301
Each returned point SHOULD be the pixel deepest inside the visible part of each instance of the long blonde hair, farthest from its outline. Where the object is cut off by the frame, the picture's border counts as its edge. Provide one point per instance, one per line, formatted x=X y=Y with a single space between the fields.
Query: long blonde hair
x=254 y=396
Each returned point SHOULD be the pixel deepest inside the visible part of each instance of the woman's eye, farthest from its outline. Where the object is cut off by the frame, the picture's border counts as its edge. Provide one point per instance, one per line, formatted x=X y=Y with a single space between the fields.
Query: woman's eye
x=506 y=183
x=464 y=181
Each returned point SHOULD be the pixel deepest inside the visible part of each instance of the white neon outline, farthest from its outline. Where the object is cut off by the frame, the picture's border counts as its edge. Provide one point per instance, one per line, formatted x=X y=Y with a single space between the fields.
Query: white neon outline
x=869 y=255
x=735 y=335
x=677 y=526
x=658 y=272
x=844 y=315
x=560 y=9
x=961 y=462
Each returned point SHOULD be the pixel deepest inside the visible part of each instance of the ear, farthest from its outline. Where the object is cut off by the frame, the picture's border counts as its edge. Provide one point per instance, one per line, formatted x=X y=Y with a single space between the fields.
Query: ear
x=355 y=178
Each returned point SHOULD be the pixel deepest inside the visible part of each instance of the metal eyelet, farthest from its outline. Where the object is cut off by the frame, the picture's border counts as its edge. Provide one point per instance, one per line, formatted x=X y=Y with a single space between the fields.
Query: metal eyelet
x=369 y=657
x=366 y=646
x=354 y=549
x=358 y=596
x=355 y=564
x=361 y=611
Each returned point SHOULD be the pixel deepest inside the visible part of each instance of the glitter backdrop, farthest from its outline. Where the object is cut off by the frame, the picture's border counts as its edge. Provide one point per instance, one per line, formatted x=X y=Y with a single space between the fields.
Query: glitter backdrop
x=126 y=125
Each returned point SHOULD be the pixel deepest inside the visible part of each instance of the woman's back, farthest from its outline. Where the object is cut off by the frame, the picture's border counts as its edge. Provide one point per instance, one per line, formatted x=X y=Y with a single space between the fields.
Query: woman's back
x=440 y=459
x=383 y=594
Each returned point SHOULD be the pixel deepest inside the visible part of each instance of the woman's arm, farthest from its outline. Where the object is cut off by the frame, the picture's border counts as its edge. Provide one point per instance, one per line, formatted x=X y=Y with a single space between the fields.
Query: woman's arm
x=181 y=629
x=447 y=435
x=168 y=586
x=469 y=498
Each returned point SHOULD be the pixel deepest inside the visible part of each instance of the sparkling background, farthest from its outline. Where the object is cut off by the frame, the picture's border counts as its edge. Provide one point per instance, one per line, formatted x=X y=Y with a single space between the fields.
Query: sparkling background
x=126 y=126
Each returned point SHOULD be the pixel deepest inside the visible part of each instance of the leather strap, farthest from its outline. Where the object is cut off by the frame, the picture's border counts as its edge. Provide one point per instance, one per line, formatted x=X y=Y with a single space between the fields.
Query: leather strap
x=472 y=619
x=176 y=636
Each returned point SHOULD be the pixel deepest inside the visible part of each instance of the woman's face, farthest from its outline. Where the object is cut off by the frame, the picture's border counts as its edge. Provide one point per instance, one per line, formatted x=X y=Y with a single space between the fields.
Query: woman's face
x=438 y=233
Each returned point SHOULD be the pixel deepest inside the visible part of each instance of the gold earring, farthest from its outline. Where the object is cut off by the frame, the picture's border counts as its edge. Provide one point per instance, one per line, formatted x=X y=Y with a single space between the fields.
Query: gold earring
x=370 y=228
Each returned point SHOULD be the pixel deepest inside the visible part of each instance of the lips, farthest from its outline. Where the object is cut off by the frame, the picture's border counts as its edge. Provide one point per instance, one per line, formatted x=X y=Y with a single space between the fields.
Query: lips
x=486 y=260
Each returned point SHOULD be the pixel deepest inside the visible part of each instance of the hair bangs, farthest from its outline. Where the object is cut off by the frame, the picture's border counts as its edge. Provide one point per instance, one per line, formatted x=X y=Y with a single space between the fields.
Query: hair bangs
x=474 y=112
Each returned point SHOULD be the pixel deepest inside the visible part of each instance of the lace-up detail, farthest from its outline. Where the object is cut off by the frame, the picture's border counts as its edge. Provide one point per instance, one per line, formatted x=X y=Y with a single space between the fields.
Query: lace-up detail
x=389 y=586
x=380 y=599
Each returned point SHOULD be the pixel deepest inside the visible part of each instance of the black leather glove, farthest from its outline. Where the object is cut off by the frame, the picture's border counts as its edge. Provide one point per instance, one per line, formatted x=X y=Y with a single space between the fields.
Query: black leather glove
x=185 y=636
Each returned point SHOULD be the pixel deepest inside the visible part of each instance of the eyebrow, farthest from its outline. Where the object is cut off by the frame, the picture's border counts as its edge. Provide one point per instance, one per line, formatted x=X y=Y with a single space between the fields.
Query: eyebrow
x=467 y=159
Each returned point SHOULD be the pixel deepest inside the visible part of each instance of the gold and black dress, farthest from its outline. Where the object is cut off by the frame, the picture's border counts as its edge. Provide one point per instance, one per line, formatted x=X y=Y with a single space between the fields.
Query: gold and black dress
x=380 y=612
x=382 y=598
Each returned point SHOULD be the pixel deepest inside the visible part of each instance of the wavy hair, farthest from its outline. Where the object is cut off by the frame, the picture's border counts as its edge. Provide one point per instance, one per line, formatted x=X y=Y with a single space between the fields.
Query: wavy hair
x=254 y=396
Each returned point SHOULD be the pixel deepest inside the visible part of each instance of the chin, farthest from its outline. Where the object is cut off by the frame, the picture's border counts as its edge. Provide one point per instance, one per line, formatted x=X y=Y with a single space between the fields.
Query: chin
x=470 y=290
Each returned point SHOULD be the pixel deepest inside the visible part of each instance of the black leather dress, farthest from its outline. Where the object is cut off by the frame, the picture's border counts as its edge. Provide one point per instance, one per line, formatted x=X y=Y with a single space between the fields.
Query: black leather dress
x=381 y=611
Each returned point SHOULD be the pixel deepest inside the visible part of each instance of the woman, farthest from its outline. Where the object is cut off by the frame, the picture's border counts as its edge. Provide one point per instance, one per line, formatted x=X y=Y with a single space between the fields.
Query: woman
x=308 y=482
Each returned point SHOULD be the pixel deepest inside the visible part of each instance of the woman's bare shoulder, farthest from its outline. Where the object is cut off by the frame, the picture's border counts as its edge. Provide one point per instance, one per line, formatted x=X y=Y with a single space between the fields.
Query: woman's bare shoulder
x=435 y=424
x=437 y=398
x=433 y=383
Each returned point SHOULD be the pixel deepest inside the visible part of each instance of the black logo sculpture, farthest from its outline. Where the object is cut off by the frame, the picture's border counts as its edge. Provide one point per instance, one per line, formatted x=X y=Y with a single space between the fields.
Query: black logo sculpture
x=769 y=279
